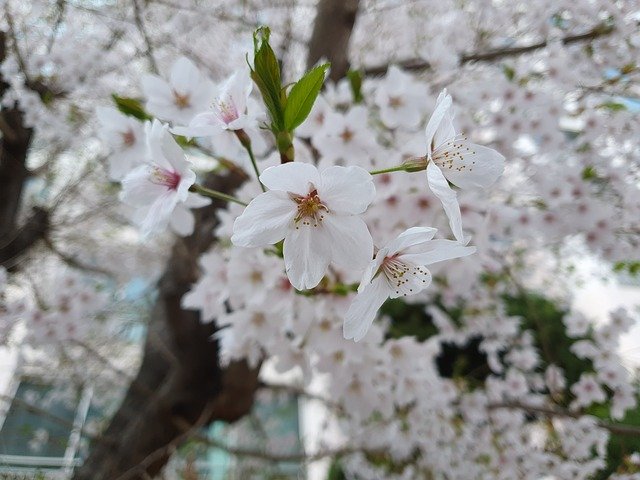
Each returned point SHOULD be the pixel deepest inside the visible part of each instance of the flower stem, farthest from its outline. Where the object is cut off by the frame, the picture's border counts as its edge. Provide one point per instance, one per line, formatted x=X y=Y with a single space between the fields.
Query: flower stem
x=399 y=168
x=246 y=143
x=207 y=192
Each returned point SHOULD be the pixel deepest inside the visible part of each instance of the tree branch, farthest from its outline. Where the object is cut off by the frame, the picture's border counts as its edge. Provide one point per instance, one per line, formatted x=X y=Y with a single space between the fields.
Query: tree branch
x=617 y=428
x=497 y=53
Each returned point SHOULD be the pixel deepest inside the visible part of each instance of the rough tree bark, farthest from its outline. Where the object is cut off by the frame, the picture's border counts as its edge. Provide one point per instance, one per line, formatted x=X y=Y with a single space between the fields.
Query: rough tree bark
x=331 y=34
x=180 y=380
x=14 y=147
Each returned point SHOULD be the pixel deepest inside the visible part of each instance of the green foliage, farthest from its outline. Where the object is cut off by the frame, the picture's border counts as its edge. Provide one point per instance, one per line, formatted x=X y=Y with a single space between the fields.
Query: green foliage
x=335 y=472
x=287 y=112
x=355 y=82
x=408 y=319
x=131 y=107
x=509 y=72
x=266 y=75
x=302 y=96
x=631 y=267
x=613 y=106
x=544 y=319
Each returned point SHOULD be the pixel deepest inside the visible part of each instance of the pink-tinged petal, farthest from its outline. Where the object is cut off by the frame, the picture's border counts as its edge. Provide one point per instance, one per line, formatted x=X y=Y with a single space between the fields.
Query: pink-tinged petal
x=477 y=167
x=346 y=189
x=350 y=241
x=306 y=257
x=410 y=237
x=364 y=308
x=294 y=177
x=182 y=221
x=441 y=189
x=137 y=188
x=443 y=104
x=185 y=76
x=265 y=221
x=437 y=251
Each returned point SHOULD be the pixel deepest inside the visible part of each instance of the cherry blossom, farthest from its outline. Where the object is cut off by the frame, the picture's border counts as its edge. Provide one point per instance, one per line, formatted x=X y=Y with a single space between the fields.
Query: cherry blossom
x=399 y=269
x=228 y=110
x=125 y=136
x=317 y=215
x=452 y=158
x=161 y=183
x=182 y=96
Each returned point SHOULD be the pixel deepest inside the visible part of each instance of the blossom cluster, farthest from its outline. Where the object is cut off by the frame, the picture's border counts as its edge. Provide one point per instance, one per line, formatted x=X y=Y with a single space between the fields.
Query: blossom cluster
x=294 y=301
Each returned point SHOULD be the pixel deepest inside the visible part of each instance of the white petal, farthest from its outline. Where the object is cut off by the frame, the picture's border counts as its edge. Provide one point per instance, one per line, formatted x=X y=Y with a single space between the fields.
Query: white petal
x=155 y=88
x=478 y=166
x=437 y=251
x=240 y=89
x=265 y=221
x=196 y=201
x=159 y=213
x=416 y=279
x=182 y=221
x=350 y=241
x=443 y=105
x=185 y=76
x=346 y=189
x=292 y=177
x=204 y=124
x=441 y=189
x=411 y=236
x=306 y=256
x=363 y=309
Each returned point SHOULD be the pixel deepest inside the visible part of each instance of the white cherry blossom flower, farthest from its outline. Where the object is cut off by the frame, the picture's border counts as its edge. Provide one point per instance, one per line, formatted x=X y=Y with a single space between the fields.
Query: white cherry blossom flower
x=452 y=158
x=317 y=214
x=228 y=111
x=180 y=98
x=159 y=185
x=125 y=136
x=401 y=99
x=399 y=269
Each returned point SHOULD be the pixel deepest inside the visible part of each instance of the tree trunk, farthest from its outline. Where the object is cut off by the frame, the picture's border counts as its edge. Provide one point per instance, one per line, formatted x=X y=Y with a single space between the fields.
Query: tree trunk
x=331 y=34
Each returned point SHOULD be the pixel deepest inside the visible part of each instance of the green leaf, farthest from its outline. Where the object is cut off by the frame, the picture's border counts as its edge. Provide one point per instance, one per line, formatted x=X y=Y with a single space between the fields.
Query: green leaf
x=613 y=106
x=302 y=97
x=131 y=107
x=266 y=75
x=509 y=72
x=355 y=82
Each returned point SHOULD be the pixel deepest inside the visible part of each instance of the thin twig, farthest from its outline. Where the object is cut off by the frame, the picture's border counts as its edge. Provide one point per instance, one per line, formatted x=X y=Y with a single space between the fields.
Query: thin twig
x=143 y=31
x=497 y=53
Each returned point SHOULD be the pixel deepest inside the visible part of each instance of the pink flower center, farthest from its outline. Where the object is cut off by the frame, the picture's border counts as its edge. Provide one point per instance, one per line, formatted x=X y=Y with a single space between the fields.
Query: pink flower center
x=226 y=110
x=128 y=138
x=311 y=210
x=169 y=179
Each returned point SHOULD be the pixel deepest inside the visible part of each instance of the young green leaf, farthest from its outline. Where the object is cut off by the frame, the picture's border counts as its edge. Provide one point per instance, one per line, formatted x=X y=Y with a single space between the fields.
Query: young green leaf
x=302 y=97
x=266 y=75
x=131 y=107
